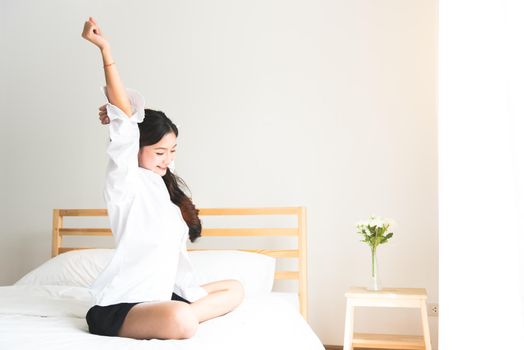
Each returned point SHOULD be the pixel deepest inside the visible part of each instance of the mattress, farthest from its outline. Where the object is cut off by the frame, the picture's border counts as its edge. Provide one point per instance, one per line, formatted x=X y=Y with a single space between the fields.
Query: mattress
x=52 y=317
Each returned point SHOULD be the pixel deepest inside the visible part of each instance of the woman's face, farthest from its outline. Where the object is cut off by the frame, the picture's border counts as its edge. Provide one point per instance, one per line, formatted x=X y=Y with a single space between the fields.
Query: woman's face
x=158 y=156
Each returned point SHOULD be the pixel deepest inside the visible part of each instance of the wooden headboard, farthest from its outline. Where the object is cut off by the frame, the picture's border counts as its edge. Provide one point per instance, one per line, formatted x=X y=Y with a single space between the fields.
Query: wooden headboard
x=298 y=215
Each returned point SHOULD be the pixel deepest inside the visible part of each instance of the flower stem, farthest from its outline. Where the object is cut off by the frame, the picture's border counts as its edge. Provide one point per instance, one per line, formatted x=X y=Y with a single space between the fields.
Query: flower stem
x=373 y=251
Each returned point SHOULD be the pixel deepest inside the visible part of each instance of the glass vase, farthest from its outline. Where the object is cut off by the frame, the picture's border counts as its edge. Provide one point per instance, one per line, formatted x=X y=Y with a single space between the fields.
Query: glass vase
x=374 y=281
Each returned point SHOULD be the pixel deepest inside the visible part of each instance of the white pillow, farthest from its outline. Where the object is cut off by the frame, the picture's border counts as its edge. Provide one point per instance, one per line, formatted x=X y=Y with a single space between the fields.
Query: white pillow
x=81 y=267
x=75 y=268
x=255 y=271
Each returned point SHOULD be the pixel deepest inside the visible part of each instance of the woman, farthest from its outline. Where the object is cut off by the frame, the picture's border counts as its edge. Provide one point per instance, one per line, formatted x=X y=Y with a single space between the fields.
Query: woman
x=148 y=290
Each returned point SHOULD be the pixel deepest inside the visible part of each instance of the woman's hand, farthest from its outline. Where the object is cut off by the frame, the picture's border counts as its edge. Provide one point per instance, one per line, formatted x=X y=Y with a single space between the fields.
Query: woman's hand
x=93 y=34
x=104 y=119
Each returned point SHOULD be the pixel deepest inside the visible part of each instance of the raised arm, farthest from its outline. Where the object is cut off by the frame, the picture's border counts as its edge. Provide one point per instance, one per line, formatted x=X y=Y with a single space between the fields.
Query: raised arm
x=116 y=92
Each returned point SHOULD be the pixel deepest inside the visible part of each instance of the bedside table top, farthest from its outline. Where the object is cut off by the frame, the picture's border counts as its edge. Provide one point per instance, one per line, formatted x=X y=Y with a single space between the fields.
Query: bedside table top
x=393 y=293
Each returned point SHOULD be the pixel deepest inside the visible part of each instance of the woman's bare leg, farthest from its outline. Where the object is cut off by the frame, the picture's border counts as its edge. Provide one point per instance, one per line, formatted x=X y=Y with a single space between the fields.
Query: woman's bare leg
x=179 y=320
x=223 y=296
x=160 y=320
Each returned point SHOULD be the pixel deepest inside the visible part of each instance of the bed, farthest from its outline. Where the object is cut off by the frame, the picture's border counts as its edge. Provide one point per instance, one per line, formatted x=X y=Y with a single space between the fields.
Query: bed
x=45 y=309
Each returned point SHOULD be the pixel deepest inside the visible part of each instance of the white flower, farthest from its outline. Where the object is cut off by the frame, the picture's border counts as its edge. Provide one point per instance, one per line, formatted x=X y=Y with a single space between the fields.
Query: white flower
x=362 y=223
x=375 y=231
x=377 y=222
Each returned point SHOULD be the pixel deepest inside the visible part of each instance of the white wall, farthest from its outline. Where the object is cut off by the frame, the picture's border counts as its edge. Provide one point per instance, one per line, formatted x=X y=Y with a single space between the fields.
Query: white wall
x=326 y=104
x=481 y=174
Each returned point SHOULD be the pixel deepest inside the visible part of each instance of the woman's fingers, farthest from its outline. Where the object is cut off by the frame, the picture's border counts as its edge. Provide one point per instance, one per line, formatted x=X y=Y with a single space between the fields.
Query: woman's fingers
x=90 y=32
x=93 y=33
x=86 y=30
x=104 y=119
x=89 y=28
x=96 y=28
x=92 y=20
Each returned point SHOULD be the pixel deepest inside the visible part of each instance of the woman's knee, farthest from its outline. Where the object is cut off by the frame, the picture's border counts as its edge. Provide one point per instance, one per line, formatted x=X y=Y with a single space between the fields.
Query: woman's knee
x=236 y=291
x=181 y=321
x=237 y=288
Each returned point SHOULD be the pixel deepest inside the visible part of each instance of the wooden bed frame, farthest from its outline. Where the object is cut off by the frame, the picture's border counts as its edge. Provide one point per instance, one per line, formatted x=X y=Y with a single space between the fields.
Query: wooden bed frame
x=298 y=213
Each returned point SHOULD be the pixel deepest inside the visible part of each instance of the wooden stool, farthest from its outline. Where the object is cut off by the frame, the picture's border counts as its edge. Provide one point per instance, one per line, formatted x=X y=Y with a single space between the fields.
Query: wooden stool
x=387 y=297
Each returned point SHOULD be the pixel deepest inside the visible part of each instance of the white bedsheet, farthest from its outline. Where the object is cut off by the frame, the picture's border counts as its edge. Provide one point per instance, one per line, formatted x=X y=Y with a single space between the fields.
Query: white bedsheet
x=52 y=317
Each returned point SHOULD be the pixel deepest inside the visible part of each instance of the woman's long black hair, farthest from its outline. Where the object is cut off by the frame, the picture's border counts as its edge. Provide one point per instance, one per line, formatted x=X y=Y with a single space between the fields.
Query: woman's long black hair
x=155 y=125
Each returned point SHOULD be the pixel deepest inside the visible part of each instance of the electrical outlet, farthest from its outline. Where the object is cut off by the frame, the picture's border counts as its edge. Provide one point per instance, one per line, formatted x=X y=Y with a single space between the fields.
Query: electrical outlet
x=432 y=309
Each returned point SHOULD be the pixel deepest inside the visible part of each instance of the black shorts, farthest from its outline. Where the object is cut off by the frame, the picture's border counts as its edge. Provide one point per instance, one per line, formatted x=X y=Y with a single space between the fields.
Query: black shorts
x=107 y=320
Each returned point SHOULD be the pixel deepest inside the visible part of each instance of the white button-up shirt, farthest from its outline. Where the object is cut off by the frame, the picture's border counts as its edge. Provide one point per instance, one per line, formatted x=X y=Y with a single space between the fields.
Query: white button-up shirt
x=151 y=259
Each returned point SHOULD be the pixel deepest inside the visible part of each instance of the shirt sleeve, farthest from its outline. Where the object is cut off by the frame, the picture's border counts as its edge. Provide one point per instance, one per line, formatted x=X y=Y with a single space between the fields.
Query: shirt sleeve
x=123 y=147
